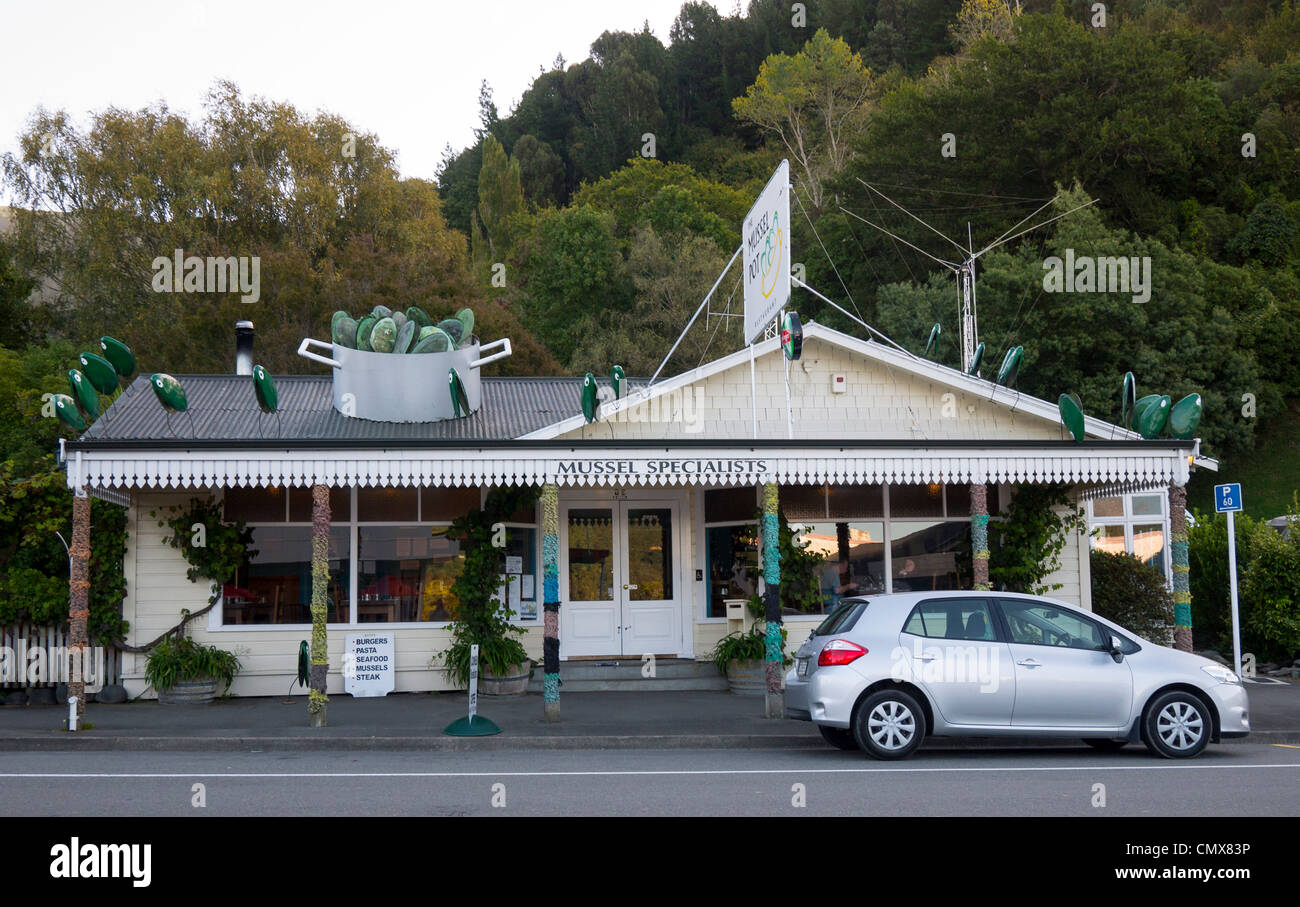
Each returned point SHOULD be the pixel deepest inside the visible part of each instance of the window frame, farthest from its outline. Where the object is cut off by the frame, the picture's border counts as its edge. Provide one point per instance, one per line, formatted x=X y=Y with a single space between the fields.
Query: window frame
x=1129 y=521
x=1102 y=630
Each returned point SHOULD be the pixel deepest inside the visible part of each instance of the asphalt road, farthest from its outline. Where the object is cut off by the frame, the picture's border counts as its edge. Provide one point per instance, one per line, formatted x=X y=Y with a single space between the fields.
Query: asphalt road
x=1239 y=780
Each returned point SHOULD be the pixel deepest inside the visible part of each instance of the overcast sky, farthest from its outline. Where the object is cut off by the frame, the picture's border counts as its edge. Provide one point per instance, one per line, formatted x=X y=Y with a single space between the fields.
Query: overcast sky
x=406 y=70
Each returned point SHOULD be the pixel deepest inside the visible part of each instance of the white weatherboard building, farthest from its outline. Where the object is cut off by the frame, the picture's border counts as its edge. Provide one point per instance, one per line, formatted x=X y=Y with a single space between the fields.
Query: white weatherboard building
x=658 y=499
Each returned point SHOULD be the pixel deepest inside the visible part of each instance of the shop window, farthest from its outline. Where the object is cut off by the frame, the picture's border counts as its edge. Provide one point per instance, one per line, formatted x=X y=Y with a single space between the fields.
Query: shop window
x=1149 y=545
x=273 y=584
x=524 y=590
x=957 y=500
x=727 y=505
x=442 y=504
x=387 y=505
x=910 y=501
x=802 y=502
x=859 y=502
x=1148 y=504
x=255 y=505
x=930 y=555
x=405 y=573
x=1110 y=539
x=300 y=505
x=852 y=555
x=1105 y=507
x=732 y=566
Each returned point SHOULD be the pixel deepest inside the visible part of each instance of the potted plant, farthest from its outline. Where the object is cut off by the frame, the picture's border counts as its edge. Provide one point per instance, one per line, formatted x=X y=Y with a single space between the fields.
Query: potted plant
x=185 y=672
x=742 y=655
x=481 y=618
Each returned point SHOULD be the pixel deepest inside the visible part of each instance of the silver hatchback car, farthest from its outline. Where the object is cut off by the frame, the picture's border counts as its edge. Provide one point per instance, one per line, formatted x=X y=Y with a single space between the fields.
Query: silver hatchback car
x=883 y=672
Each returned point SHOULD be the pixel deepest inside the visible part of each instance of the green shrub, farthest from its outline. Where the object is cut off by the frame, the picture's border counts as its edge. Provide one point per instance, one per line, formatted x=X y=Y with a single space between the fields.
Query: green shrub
x=175 y=660
x=1132 y=594
x=1271 y=587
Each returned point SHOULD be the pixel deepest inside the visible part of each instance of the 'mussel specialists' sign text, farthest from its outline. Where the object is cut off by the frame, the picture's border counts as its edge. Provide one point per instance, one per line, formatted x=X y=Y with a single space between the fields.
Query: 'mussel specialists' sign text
x=368 y=664
x=668 y=466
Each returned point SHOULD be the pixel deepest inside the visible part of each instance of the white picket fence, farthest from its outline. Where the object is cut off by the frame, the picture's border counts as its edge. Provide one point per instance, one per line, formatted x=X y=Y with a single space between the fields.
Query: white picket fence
x=51 y=639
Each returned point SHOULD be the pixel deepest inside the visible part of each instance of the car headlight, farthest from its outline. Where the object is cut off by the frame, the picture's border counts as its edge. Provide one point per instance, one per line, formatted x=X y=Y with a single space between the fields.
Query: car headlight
x=1221 y=674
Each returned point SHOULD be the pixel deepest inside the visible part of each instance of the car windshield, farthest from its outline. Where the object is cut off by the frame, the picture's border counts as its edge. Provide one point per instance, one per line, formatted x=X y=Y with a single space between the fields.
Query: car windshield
x=839 y=617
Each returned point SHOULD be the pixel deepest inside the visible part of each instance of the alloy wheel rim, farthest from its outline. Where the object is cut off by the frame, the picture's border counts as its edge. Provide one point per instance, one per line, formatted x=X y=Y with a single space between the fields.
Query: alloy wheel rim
x=1180 y=725
x=891 y=725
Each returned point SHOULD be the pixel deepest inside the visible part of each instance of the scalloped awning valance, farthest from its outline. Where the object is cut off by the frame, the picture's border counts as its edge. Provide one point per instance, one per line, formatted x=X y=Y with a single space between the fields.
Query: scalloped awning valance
x=1112 y=465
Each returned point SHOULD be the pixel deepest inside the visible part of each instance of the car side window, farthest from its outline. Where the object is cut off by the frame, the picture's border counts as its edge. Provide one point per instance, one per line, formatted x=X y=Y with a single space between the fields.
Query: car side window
x=1042 y=624
x=951 y=618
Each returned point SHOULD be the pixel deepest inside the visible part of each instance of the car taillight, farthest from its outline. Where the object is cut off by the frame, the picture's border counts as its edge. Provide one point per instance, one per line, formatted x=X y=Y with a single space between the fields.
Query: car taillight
x=840 y=652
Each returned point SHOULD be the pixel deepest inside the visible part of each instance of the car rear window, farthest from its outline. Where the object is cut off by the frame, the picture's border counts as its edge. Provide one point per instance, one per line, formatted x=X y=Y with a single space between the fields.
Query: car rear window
x=842 y=618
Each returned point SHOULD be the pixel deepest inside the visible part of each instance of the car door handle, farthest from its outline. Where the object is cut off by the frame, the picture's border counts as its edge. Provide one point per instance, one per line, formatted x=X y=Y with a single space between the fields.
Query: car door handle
x=1029 y=663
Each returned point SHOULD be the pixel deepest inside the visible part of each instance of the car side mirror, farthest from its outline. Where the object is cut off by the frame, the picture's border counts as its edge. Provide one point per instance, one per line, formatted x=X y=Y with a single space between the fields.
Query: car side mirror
x=1116 y=649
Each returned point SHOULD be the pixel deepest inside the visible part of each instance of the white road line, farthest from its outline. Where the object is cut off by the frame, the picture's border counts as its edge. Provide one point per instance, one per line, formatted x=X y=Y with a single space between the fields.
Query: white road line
x=76 y=776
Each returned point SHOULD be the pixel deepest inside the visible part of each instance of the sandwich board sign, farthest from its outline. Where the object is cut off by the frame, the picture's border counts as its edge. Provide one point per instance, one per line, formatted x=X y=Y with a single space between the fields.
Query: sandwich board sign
x=369 y=660
x=765 y=238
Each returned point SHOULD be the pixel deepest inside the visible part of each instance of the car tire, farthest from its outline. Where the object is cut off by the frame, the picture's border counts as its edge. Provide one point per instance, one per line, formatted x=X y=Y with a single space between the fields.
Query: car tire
x=889 y=724
x=1105 y=744
x=1177 y=725
x=838 y=737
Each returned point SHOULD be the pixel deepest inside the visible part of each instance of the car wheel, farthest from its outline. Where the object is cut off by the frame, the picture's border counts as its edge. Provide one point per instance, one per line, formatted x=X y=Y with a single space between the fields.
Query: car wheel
x=838 y=737
x=1176 y=726
x=1105 y=744
x=889 y=724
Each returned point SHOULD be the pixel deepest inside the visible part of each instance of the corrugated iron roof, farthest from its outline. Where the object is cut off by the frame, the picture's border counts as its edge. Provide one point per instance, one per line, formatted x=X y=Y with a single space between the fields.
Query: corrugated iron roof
x=224 y=408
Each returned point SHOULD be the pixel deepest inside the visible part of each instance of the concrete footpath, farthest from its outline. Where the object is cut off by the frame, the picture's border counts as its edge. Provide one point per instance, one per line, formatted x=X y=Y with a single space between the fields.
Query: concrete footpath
x=415 y=721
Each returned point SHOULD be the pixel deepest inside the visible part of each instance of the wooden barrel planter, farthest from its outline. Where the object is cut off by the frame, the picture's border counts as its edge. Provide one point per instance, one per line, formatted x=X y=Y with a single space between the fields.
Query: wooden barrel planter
x=747 y=678
x=511 y=683
x=189 y=692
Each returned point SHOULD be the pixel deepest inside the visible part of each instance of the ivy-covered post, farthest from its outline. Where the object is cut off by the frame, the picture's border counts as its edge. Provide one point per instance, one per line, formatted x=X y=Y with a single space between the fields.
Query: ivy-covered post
x=79 y=597
x=979 y=536
x=320 y=552
x=774 y=700
x=551 y=601
x=1178 y=548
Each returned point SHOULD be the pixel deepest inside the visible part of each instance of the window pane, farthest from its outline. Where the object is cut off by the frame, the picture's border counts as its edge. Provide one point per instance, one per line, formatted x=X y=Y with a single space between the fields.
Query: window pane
x=1110 y=539
x=959 y=500
x=254 y=505
x=273 y=585
x=915 y=501
x=1149 y=545
x=405 y=573
x=1043 y=625
x=300 y=505
x=856 y=502
x=442 y=505
x=732 y=565
x=1148 y=504
x=802 y=502
x=650 y=554
x=386 y=505
x=954 y=618
x=930 y=555
x=1108 y=507
x=522 y=543
x=852 y=558
x=591 y=555
x=726 y=505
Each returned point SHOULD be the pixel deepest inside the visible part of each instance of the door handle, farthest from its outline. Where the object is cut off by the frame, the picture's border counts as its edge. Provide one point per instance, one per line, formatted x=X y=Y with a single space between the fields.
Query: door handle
x=1029 y=663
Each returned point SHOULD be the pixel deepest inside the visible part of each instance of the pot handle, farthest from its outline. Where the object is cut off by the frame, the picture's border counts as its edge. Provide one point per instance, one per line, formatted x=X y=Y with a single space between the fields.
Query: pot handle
x=314 y=357
x=504 y=342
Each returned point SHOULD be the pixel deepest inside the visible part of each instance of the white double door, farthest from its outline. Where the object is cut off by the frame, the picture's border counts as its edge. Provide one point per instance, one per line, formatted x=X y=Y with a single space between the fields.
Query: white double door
x=619 y=580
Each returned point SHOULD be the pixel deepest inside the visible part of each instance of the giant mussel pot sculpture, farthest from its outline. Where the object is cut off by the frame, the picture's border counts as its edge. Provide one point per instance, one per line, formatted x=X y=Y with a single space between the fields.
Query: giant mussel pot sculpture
x=397 y=366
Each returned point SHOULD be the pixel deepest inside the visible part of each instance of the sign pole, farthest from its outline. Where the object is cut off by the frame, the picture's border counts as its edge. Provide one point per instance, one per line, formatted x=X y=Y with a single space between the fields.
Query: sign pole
x=474 y=725
x=1227 y=499
x=1232 y=585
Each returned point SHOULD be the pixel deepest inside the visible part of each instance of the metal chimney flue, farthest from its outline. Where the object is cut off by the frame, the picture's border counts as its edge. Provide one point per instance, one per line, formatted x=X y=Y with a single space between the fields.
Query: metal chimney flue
x=243 y=347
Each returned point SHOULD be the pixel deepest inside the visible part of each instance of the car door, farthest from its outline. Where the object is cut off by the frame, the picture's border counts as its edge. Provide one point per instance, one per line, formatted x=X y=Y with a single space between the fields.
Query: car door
x=952 y=650
x=1065 y=675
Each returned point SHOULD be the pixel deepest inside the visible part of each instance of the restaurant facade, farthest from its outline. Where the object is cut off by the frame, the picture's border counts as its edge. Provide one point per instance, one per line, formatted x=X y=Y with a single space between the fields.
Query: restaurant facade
x=889 y=467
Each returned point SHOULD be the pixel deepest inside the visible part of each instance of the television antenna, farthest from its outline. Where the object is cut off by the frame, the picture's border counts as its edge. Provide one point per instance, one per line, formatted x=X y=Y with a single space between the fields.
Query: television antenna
x=965 y=268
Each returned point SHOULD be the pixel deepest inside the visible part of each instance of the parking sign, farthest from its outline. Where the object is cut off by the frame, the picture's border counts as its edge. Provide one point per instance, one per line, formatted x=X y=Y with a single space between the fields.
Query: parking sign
x=1227 y=498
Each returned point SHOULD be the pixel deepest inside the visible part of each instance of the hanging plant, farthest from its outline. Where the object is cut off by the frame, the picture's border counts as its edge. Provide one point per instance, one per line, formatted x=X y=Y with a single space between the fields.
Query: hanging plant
x=214 y=549
x=1028 y=542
